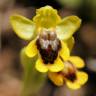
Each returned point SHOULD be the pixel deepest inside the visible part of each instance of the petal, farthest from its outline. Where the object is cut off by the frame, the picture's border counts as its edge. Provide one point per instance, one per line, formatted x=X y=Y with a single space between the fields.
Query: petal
x=70 y=43
x=77 y=61
x=82 y=77
x=25 y=60
x=67 y=27
x=56 y=78
x=57 y=66
x=64 y=52
x=73 y=85
x=31 y=49
x=46 y=17
x=40 y=66
x=23 y=27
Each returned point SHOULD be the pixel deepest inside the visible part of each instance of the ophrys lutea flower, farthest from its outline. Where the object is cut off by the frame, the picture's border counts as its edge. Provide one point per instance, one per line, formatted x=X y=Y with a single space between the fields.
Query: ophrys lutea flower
x=49 y=50
x=70 y=75
x=49 y=34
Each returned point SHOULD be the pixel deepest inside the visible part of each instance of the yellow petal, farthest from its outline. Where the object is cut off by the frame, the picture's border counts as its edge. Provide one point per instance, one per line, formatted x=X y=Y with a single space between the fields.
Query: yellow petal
x=46 y=17
x=57 y=66
x=82 y=77
x=56 y=78
x=23 y=27
x=26 y=61
x=67 y=27
x=77 y=61
x=31 y=49
x=64 y=52
x=40 y=66
x=73 y=85
x=70 y=43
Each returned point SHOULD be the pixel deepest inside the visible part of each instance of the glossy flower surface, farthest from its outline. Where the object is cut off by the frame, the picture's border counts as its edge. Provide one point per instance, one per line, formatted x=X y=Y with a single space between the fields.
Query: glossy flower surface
x=49 y=34
x=70 y=75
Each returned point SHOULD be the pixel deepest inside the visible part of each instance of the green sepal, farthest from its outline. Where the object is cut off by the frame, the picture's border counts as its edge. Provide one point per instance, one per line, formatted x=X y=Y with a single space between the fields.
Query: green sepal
x=23 y=27
x=66 y=28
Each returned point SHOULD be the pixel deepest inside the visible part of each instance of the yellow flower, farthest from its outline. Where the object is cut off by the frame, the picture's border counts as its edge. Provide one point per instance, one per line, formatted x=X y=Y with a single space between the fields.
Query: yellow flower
x=50 y=37
x=48 y=53
x=73 y=78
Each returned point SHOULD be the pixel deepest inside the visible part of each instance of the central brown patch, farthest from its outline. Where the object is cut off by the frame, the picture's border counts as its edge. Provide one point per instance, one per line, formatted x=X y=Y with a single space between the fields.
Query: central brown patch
x=50 y=52
x=69 y=71
x=71 y=76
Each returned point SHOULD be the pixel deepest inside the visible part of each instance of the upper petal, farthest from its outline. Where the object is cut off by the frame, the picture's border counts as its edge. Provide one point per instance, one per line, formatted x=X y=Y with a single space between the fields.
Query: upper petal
x=77 y=61
x=31 y=49
x=67 y=27
x=46 y=17
x=23 y=27
x=57 y=66
x=40 y=66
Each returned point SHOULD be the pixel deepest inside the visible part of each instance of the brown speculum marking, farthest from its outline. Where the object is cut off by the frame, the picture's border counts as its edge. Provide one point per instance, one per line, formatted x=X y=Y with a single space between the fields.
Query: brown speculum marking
x=48 y=45
x=69 y=71
x=71 y=76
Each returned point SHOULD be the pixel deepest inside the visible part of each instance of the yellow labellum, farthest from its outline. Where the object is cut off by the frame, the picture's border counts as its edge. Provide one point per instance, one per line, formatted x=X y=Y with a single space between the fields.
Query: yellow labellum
x=84 y=78
x=31 y=49
x=40 y=66
x=57 y=66
x=73 y=85
x=56 y=78
x=64 y=52
x=77 y=61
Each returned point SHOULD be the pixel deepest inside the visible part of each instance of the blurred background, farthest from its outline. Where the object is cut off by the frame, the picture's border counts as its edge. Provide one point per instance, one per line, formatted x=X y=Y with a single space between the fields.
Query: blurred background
x=10 y=45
